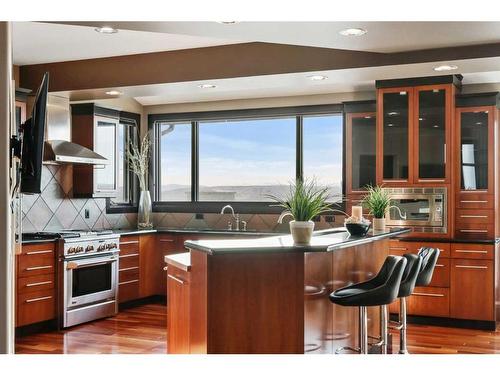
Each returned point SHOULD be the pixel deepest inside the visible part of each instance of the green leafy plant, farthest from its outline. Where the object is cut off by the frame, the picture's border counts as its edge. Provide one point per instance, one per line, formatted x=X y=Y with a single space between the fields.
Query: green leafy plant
x=303 y=201
x=377 y=201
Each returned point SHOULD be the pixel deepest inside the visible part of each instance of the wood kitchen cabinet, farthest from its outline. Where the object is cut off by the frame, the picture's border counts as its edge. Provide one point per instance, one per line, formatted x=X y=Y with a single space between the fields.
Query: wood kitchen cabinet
x=129 y=269
x=178 y=315
x=414 y=131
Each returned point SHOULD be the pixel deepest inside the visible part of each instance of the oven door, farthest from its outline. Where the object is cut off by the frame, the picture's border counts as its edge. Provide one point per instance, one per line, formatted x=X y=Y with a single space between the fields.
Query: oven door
x=413 y=210
x=90 y=280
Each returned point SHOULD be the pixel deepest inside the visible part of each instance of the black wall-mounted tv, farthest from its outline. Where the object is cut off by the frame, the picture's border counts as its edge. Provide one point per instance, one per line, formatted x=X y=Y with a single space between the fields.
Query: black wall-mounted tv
x=33 y=132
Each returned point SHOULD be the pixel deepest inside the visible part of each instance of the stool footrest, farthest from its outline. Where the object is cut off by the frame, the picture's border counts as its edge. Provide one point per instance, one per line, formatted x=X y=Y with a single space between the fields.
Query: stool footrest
x=341 y=349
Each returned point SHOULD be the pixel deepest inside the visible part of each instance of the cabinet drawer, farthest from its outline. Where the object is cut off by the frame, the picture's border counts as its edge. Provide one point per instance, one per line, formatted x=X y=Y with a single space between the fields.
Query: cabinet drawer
x=129 y=245
x=40 y=249
x=36 y=307
x=475 y=200
x=404 y=247
x=168 y=243
x=441 y=275
x=474 y=230
x=35 y=283
x=128 y=290
x=475 y=216
x=429 y=301
x=472 y=289
x=128 y=261
x=128 y=274
x=400 y=248
x=35 y=265
x=472 y=251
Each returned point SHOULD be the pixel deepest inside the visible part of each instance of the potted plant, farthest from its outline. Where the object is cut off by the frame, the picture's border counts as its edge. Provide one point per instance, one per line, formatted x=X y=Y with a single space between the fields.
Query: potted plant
x=303 y=202
x=138 y=158
x=378 y=202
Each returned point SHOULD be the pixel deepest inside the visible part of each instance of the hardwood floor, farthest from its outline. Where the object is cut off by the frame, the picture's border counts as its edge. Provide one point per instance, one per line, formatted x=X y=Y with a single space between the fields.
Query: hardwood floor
x=138 y=330
x=142 y=330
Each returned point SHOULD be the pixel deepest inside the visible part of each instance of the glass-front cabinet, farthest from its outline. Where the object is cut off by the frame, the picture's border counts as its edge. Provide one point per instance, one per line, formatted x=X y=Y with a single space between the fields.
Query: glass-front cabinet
x=105 y=144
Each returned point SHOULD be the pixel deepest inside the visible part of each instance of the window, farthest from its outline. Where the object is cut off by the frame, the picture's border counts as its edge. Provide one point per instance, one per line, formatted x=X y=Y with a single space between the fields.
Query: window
x=322 y=152
x=203 y=160
x=245 y=160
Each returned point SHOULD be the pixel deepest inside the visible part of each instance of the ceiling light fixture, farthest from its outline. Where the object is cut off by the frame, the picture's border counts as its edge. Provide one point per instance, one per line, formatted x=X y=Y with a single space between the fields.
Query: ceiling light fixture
x=113 y=92
x=353 y=32
x=227 y=22
x=390 y=125
x=317 y=77
x=106 y=30
x=445 y=68
x=207 y=86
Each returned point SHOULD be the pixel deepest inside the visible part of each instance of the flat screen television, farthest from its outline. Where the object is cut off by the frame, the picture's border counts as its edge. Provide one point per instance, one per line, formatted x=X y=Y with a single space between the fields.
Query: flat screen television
x=33 y=132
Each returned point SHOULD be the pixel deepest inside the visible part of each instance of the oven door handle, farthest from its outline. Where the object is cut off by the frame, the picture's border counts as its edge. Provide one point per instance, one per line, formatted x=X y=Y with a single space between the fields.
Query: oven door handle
x=75 y=265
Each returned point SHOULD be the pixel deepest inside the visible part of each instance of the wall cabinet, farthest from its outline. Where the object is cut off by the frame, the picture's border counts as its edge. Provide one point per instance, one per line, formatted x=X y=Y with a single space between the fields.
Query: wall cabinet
x=414 y=134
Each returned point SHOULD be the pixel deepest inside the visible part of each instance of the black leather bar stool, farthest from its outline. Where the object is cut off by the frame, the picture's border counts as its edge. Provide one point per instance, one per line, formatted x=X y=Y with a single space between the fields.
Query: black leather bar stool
x=419 y=271
x=378 y=291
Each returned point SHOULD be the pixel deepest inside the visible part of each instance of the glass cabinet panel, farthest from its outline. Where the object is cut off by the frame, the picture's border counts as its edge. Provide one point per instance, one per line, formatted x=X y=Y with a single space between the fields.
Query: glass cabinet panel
x=474 y=150
x=363 y=158
x=105 y=145
x=395 y=130
x=432 y=133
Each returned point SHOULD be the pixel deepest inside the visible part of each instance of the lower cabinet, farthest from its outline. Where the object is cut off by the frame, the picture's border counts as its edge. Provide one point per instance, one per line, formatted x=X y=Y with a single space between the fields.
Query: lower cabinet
x=178 y=316
x=128 y=269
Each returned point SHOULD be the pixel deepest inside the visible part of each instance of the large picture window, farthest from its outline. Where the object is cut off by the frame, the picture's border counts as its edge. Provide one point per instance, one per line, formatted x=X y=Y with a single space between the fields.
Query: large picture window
x=204 y=160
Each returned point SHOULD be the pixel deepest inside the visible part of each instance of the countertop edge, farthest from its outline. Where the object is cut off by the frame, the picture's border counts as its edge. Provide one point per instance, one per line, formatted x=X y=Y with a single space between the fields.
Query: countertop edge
x=180 y=260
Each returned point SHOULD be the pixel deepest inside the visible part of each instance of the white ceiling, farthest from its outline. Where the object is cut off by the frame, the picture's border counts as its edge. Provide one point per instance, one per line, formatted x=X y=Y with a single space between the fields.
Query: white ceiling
x=381 y=36
x=36 y=43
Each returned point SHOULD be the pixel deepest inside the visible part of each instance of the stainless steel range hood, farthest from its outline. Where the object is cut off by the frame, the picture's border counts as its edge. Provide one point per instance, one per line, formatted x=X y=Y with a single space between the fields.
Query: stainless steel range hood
x=58 y=148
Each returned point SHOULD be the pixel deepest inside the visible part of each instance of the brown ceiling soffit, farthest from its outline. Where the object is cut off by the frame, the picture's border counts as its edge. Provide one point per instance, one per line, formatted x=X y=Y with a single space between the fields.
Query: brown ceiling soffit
x=229 y=61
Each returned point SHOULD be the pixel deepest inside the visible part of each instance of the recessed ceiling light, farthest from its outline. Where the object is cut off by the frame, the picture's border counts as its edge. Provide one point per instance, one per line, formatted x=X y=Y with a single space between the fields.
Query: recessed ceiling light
x=207 y=86
x=445 y=68
x=317 y=77
x=435 y=126
x=106 y=30
x=390 y=125
x=353 y=32
x=227 y=22
x=113 y=92
x=479 y=123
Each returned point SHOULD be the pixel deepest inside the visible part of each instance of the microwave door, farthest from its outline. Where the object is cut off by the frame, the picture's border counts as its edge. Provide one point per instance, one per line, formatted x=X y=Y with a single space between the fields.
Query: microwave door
x=414 y=210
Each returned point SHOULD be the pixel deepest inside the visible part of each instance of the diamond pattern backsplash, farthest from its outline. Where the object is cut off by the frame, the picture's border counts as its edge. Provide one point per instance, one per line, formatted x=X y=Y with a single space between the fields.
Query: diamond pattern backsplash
x=56 y=209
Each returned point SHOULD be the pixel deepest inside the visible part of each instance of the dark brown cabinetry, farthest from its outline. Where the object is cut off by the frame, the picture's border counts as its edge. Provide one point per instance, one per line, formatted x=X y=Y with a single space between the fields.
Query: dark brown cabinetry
x=36 y=292
x=178 y=315
x=128 y=274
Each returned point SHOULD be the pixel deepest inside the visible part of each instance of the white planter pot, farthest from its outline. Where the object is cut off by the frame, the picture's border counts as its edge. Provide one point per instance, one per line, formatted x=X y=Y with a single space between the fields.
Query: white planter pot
x=379 y=224
x=301 y=231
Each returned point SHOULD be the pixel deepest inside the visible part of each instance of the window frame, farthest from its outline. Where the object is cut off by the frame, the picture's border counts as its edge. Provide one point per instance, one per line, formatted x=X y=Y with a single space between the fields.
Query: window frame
x=133 y=121
x=251 y=207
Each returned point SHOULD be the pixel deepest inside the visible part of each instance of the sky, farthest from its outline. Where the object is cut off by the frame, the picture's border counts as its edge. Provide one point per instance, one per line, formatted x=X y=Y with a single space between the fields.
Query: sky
x=254 y=152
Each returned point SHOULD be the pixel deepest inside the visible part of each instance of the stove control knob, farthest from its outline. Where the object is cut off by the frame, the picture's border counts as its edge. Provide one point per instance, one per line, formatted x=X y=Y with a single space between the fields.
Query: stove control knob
x=101 y=247
x=89 y=248
x=79 y=249
x=71 y=250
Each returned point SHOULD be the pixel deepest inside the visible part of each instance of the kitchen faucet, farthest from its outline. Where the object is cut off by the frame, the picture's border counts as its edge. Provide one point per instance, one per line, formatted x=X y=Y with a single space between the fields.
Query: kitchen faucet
x=236 y=218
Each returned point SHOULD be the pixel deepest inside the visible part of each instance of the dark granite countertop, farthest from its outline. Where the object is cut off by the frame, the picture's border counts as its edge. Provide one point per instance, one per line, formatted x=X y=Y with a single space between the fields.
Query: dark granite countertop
x=181 y=260
x=324 y=240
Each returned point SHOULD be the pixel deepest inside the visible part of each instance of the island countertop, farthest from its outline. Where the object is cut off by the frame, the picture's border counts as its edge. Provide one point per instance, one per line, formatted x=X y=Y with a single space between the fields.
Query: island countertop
x=324 y=240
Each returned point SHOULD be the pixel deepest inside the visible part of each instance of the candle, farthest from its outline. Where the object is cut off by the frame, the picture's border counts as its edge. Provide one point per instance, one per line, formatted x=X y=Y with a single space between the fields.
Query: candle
x=357 y=212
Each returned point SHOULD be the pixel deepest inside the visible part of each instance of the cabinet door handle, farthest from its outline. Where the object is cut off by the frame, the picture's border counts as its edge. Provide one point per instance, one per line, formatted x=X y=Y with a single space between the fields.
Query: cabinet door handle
x=398 y=248
x=166 y=240
x=40 y=283
x=129 y=255
x=474 y=216
x=473 y=201
x=472 y=251
x=473 y=230
x=128 y=242
x=439 y=265
x=176 y=279
x=472 y=267
x=38 y=268
x=37 y=299
x=128 y=282
x=428 y=294
x=39 y=252
x=128 y=269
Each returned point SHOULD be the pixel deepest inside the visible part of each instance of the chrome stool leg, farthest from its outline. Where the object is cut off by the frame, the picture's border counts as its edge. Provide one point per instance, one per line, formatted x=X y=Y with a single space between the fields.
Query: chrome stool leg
x=384 y=336
x=402 y=332
x=363 y=333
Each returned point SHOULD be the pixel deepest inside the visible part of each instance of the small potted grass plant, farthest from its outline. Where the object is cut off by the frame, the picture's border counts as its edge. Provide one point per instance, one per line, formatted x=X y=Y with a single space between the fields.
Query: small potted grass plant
x=303 y=202
x=378 y=202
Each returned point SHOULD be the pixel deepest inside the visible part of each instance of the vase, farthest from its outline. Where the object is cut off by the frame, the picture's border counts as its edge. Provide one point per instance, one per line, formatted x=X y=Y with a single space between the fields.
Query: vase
x=379 y=224
x=301 y=231
x=144 y=213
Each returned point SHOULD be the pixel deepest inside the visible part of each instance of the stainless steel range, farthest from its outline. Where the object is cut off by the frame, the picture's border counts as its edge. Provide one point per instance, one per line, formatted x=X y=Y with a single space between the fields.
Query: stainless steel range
x=88 y=276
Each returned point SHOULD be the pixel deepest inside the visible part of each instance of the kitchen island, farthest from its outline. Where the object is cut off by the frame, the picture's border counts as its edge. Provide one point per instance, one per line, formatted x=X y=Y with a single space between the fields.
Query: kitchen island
x=267 y=295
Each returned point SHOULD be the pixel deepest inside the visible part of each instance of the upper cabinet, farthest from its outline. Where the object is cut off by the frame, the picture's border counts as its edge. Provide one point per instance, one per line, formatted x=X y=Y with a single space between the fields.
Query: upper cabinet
x=414 y=131
x=99 y=129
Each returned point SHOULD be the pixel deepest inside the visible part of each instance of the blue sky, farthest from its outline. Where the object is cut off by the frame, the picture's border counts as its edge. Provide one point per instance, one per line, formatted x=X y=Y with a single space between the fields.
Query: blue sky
x=255 y=152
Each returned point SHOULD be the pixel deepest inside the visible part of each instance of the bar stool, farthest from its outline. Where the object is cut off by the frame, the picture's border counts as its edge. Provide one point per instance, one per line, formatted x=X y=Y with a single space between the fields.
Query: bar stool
x=378 y=291
x=419 y=274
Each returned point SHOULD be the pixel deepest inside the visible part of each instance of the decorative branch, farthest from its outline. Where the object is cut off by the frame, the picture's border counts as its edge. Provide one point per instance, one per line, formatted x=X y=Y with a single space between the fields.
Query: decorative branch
x=138 y=159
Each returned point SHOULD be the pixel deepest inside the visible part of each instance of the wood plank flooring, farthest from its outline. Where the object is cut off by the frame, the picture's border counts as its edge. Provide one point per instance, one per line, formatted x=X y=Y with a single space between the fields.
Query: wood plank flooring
x=143 y=330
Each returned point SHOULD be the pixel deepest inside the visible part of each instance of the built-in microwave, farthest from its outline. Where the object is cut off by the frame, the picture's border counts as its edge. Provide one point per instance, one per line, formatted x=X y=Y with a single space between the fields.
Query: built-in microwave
x=423 y=209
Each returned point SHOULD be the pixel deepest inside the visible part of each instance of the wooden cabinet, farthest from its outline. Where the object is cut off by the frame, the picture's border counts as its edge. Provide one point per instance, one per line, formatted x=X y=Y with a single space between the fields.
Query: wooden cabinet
x=414 y=134
x=128 y=274
x=178 y=314
x=168 y=244
x=36 y=289
x=472 y=289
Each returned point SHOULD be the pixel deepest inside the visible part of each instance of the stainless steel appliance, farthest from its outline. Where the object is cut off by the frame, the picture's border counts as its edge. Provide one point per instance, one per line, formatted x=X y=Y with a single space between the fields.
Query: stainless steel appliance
x=88 y=276
x=422 y=209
